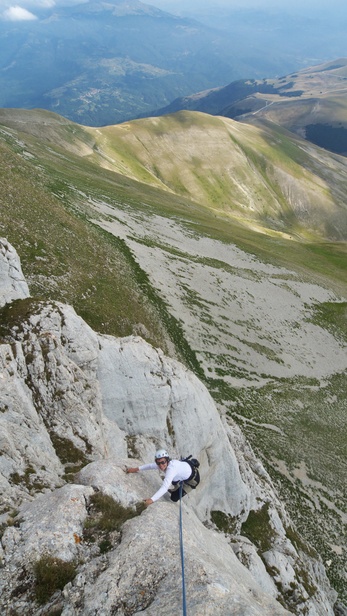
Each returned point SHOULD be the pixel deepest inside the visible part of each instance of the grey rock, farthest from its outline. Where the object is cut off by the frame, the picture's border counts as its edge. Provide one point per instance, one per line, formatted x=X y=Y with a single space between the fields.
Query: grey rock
x=144 y=575
x=12 y=282
x=53 y=523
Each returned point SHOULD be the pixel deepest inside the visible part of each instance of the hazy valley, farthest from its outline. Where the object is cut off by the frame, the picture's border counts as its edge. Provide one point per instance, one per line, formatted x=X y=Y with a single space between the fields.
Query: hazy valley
x=224 y=244
x=99 y=64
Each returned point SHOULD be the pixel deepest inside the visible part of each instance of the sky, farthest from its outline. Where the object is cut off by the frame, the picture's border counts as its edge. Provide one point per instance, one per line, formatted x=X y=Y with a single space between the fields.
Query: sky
x=24 y=10
x=279 y=4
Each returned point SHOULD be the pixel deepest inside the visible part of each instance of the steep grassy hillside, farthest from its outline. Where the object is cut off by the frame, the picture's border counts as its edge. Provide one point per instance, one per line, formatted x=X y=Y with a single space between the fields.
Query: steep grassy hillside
x=64 y=256
x=263 y=175
x=258 y=312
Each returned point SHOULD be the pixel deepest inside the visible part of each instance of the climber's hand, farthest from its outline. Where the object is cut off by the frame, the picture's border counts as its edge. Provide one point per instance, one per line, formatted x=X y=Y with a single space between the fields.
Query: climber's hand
x=132 y=470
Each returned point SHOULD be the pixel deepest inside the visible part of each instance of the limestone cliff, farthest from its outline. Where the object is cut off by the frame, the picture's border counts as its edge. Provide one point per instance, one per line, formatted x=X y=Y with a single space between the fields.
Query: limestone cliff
x=77 y=407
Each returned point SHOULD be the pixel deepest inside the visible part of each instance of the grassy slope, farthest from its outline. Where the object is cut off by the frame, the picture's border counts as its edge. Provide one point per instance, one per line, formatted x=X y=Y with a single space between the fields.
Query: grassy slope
x=63 y=256
x=51 y=174
x=260 y=174
x=62 y=171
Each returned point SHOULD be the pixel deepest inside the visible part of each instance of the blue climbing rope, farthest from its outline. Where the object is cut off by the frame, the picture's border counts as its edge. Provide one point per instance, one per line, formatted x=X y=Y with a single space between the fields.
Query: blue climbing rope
x=184 y=605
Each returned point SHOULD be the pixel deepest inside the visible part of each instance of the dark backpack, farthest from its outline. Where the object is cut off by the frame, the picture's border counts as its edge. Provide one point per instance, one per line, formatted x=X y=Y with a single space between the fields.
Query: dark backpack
x=194 y=479
x=192 y=461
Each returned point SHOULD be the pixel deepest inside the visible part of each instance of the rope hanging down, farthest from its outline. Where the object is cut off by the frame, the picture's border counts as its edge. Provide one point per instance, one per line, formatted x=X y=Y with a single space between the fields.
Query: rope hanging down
x=184 y=605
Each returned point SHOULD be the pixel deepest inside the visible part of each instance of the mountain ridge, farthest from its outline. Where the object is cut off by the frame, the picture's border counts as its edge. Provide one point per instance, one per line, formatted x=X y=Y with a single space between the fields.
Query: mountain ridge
x=306 y=102
x=259 y=173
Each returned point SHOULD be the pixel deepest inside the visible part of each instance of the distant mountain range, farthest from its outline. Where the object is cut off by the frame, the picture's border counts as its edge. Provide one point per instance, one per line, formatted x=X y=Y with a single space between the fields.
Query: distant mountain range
x=311 y=103
x=100 y=63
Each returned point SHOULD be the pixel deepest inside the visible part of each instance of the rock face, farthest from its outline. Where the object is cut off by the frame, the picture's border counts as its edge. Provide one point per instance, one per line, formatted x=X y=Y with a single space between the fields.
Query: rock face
x=12 y=282
x=77 y=408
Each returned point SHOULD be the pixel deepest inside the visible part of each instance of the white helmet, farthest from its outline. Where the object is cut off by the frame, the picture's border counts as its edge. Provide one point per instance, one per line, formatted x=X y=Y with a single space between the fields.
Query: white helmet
x=161 y=453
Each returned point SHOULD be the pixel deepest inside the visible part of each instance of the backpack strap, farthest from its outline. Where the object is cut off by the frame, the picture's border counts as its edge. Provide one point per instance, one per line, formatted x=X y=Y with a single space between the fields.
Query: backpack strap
x=194 y=479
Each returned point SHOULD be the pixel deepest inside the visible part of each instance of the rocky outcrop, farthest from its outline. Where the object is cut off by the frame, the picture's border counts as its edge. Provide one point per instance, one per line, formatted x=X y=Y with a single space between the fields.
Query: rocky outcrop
x=76 y=408
x=12 y=282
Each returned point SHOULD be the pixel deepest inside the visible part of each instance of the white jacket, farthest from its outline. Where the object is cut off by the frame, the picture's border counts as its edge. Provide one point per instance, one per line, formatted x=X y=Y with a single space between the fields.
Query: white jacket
x=176 y=471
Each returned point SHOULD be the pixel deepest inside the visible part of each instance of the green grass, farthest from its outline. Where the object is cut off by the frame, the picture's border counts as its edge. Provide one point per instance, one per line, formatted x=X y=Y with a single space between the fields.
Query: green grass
x=300 y=409
x=333 y=317
x=225 y=523
x=108 y=515
x=105 y=517
x=307 y=458
x=16 y=314
x=312 y=535
x=244 y=171
x=51 y=574
x=66 y=258
x=72 y=458
x=258 y=529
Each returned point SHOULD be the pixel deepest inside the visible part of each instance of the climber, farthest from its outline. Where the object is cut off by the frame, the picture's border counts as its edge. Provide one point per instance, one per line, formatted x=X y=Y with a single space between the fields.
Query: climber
x=185 y=470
